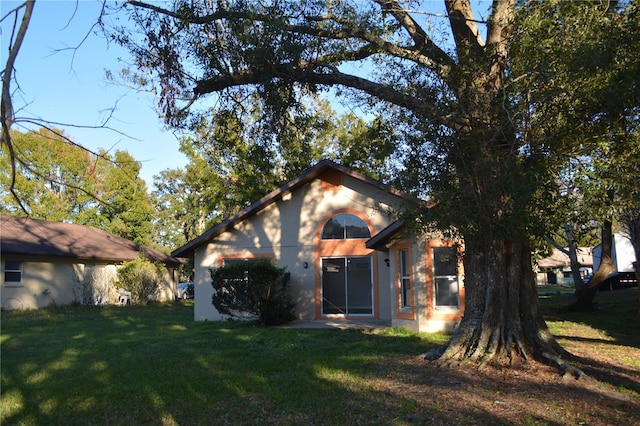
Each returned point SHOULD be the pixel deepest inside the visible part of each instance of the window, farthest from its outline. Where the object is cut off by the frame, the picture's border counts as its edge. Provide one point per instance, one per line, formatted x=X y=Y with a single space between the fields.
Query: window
x=343 y=226
x=239 y=283
x=240 y=260
x=12 y=272
x=445 y=276
x=404 y=278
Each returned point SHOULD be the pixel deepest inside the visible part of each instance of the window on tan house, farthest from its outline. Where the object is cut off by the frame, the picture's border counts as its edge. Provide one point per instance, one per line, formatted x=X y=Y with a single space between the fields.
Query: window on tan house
x=404 y=277
x=346 y=282
x=445 y=277
x=12 y=272
x=344 y=226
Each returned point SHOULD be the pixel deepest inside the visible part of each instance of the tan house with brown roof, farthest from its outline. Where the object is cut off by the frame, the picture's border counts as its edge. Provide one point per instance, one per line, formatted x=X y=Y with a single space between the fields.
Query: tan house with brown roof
x=333 y=229
x=59 y=263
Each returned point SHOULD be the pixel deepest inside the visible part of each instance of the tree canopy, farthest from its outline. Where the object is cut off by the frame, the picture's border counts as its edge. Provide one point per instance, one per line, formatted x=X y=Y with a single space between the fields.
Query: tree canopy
x=485 y=112
x=234 y=161
x=56 y=179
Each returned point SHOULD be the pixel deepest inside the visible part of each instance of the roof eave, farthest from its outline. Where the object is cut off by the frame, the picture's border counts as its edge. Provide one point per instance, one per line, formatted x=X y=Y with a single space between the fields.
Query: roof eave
x=311 y=173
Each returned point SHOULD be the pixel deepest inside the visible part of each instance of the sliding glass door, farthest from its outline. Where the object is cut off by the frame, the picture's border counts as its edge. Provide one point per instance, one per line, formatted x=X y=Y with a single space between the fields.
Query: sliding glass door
x=347 y=286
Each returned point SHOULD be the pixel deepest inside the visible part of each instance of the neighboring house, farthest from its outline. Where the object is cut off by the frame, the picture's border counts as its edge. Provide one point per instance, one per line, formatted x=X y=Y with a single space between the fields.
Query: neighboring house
x=58 y=263
x=556 y=268
x=333 y=229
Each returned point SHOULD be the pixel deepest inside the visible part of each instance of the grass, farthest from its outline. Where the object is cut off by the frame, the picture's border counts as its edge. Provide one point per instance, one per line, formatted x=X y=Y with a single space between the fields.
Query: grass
x=155 y=365
x=135 y=365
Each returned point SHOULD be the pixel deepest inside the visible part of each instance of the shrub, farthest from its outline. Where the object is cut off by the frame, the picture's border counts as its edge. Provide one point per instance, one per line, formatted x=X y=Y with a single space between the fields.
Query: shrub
x=142 y=278
x=253 y=287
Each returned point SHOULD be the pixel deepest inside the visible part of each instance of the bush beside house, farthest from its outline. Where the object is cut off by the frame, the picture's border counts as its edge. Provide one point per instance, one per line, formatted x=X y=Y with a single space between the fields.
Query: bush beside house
x=254 y=288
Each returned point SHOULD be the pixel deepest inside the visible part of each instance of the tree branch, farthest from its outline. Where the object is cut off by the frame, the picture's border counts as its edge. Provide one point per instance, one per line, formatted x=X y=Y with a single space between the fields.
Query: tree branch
x=425 y=52
x=308 y=76
x=6 y=105
x=422 y=41
x=464 y=27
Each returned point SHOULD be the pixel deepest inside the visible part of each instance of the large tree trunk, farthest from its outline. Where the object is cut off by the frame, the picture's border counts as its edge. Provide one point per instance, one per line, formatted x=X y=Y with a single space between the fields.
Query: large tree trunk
x=501 y=319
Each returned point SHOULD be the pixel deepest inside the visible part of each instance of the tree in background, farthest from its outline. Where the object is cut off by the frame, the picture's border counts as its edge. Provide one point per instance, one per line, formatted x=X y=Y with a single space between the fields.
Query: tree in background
x=61 y=181
x=233 y=161
x=142 y=278
x=577 y=66
x=49 y=177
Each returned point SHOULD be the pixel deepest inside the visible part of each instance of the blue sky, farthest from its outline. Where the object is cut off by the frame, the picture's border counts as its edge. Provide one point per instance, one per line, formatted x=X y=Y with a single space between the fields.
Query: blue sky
x=71 y=88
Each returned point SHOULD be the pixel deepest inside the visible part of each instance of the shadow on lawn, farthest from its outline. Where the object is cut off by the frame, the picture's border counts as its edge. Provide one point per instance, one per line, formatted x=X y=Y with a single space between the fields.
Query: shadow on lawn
x=155 y=365
x=616 y=316
x=136 y=365
x=612 y=354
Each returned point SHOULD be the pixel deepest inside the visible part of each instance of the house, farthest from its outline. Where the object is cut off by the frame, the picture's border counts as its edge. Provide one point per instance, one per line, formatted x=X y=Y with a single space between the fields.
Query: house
x=333 y=229
x=556 y=268
x=58 y=263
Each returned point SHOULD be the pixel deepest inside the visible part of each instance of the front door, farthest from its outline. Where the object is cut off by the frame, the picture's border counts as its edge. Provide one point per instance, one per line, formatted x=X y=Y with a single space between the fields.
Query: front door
x=347 y=286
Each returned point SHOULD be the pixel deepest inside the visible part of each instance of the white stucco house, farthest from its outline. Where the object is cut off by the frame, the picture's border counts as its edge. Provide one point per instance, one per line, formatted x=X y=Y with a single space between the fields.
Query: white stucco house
x=45 y=262
x=349 y=260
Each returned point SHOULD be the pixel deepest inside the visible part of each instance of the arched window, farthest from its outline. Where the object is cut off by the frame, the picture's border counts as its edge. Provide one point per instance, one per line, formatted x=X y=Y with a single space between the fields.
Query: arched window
x=343 y=226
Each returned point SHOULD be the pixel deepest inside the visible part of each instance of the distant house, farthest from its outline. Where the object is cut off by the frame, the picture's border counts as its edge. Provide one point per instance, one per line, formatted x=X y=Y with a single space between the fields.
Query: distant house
x=47 y=263
x=349 y=260
x=556 y=268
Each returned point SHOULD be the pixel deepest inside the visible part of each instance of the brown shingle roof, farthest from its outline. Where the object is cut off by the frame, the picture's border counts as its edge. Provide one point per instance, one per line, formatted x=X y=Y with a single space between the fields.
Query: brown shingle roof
x=30 y=237
x=560 y=260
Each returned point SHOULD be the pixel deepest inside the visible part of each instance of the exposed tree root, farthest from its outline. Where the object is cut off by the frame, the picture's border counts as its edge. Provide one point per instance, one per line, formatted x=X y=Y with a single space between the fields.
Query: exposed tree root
x=470 y=347
x=567 y=369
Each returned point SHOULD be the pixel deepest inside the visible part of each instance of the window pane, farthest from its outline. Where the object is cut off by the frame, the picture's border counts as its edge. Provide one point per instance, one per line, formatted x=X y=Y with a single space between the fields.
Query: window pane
x=356 y=227
x=333 y=286
x=406 y=294
x=12 y=271
x=405 y=281
x=345 y=225
x=333 y=229
x=359 y=291
x=347 y=287
x=445 y=272
x=12 y=277
x=12 y=265
x=445 y=261
x=403 y=263
x=446 y=291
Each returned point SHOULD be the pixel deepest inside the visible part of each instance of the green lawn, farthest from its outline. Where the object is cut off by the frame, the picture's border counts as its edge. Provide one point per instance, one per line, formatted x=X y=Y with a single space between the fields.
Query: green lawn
x=155 y=365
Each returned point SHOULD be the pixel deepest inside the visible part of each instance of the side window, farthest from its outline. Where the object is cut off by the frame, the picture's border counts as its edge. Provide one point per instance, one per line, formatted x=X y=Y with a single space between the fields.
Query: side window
x=445 y=276
x=344 y=226
x=404 y=278
x=12 y=272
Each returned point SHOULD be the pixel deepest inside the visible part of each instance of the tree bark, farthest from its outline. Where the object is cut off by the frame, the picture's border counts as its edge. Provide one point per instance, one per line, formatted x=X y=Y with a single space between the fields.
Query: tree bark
x=501 y=320
x=572 y=249
x=583 y=300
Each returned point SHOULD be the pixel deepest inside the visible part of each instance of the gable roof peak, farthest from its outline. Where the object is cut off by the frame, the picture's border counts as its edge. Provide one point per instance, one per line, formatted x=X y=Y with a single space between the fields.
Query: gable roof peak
x=307 y=176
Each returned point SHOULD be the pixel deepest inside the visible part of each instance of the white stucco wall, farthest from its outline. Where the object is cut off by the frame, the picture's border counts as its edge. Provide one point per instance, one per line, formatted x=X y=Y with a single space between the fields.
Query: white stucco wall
x=47 y=281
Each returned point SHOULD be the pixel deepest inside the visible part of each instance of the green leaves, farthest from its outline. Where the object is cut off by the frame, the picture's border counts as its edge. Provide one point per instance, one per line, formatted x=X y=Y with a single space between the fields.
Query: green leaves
x=59 y=180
